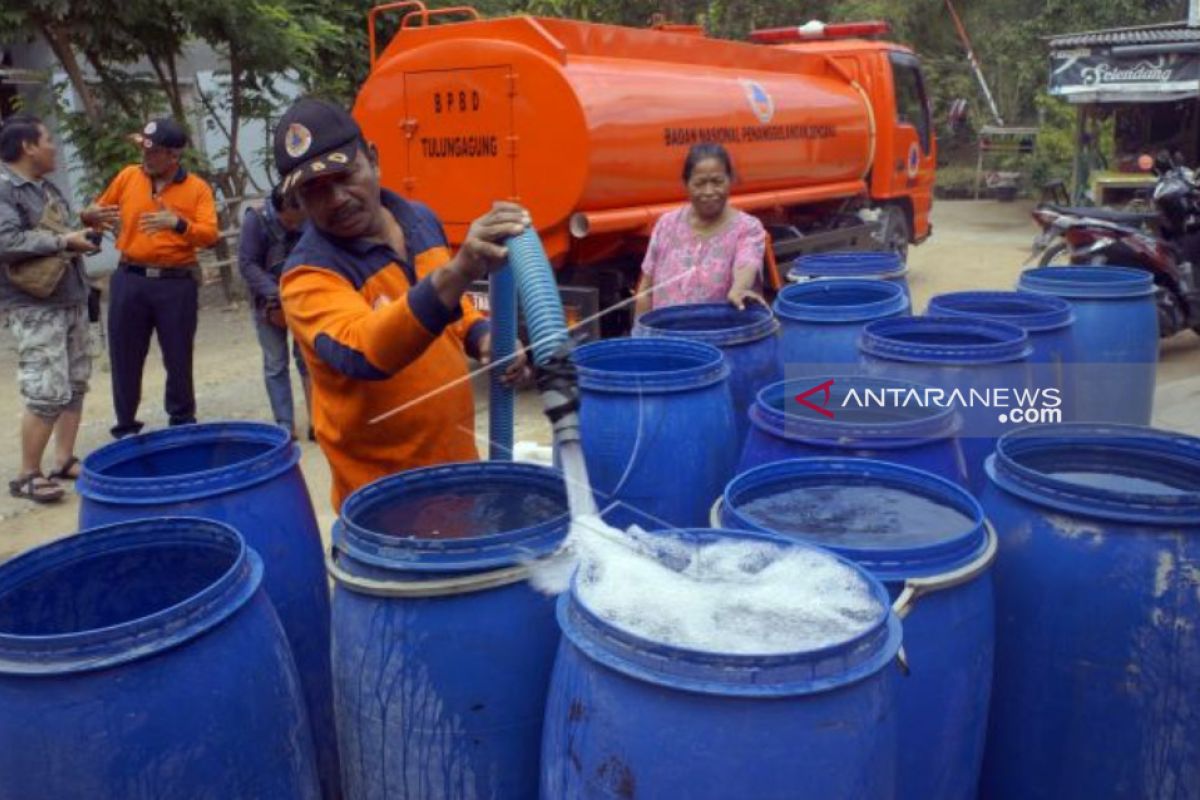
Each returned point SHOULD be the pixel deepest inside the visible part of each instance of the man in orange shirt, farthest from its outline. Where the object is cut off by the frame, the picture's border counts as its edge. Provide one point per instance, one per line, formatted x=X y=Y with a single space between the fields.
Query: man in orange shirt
x=375 y=299
x=163 y=214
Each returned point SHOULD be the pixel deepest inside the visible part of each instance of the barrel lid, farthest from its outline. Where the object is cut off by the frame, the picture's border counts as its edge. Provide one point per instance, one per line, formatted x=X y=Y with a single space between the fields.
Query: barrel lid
x=740 y=675
x=896 y=521
x=1113 y=472
x=1084 y=283
x=522 y=507
x=945 y=340
x=1036 y=313
x=718 y=324
x=841 y=300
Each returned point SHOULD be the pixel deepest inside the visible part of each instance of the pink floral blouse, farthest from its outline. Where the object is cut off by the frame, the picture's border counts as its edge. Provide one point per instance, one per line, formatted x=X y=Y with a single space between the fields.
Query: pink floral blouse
x=689 y=268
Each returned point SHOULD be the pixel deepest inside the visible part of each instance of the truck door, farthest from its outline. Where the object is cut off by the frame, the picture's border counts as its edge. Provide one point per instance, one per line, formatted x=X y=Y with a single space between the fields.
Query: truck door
x=914 y=158
x=458 y=125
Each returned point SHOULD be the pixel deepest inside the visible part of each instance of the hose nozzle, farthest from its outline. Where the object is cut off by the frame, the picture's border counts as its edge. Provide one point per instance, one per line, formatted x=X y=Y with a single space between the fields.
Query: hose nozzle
x=558 y=385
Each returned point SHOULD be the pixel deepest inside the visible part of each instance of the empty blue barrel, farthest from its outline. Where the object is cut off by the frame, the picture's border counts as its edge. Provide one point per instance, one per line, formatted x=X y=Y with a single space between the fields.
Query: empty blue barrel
x=629 y=716
x=979 y=366
x=926 y=540
x=657 y=426
x=1115 y=339
x=246 y=474
x=141 y=661
x=1098 y=597
x=822 y=320
x=748 y=339
x=442 y=650
x=851 y=264
x=1045 y=318
x=860 y=419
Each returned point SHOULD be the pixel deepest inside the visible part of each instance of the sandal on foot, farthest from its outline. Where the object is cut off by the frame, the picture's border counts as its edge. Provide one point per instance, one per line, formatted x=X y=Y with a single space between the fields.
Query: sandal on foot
x=36 y=487
x=65 y=471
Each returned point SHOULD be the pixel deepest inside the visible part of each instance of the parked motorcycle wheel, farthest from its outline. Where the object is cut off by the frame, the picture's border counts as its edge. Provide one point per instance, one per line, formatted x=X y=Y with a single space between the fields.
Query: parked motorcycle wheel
x=1056 y=255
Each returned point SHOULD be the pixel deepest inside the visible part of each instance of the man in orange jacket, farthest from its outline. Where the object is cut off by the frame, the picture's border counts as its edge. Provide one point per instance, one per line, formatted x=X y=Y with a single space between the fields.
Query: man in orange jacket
x=375 y=299
x=163 y=215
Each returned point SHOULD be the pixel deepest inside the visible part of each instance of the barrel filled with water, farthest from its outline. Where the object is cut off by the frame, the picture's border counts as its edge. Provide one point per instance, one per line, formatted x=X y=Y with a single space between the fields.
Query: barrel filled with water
x=142 y=660
x=861 y=417
x=748 y=666
x=246 y=474
x=977 y=365
x=1115 y=339
x=1098 y=591
x=851 y=264
x=820 y=321
x=926 y=540
x=442 y=650
x=657 y=425
x=748 y=339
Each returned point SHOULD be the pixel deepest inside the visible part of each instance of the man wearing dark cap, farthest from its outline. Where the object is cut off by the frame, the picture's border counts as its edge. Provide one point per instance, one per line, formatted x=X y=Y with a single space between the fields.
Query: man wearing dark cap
x=375 y=298
x=163 y=214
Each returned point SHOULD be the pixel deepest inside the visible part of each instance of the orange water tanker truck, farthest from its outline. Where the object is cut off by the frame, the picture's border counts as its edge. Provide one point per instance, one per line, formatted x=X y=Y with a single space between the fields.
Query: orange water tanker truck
x=587 y=126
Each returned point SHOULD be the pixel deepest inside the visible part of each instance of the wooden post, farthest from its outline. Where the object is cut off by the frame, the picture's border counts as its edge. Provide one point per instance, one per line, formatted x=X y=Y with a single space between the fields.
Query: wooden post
x=1080 y=116
x=978 y=165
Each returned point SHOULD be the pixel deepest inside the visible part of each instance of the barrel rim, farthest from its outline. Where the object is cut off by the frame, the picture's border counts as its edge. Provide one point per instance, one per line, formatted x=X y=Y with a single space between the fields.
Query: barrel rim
x=137 y=639
x=879 y=264
x=761 y=325
x=1010 y=344
x=710 y=367
x=409 y=554
x=764 y=416
x=1118 y=282
x=737 y=675
x=1054 y=314
x=281 y=455
x=887 y=564
x=790 y=305
x=1007 y=473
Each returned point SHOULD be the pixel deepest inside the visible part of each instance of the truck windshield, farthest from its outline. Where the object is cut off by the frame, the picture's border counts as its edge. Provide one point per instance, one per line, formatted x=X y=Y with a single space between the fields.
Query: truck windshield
x=912 y=107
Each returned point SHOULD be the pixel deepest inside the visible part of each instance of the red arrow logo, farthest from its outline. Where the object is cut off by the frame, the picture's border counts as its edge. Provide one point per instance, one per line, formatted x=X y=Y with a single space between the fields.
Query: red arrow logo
x=802 y=398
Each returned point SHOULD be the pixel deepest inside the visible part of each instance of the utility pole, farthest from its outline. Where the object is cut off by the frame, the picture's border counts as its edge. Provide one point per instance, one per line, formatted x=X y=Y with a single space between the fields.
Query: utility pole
x=966 y=40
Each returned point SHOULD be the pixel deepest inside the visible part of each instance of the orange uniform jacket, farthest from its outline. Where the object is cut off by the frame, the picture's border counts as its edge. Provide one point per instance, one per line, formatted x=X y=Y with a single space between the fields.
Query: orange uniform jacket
x=377 y=339
x=186 y=195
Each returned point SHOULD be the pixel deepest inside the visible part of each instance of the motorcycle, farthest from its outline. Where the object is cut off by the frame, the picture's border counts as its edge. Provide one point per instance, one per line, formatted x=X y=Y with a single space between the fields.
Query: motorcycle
x=1165 y=243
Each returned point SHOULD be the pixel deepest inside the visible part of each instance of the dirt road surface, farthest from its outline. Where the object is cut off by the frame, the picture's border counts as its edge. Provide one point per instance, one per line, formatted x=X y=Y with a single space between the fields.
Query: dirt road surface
x=975 y=246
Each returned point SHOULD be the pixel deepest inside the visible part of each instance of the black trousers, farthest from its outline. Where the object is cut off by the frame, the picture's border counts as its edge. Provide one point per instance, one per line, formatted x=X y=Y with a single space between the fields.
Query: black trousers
x=139 y=306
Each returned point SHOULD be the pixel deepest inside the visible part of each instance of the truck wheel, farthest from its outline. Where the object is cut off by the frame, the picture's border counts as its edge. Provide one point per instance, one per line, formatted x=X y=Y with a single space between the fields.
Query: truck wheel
x=894 y=231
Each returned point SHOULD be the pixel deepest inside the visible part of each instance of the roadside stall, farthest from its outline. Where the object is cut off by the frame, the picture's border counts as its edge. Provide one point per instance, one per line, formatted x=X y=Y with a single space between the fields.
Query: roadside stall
x=1140 y=85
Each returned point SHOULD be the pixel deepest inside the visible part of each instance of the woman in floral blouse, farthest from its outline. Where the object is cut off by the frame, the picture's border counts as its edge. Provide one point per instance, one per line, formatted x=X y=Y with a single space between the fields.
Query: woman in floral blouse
x=707 y=251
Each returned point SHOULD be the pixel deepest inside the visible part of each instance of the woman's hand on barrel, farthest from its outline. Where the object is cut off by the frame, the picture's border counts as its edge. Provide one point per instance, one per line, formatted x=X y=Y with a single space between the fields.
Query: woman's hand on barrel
x=738 y=297
x=483 y=248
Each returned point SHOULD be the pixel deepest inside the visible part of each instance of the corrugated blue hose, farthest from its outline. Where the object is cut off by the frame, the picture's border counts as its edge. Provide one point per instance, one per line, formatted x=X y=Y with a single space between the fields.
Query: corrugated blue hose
x=539 y=295
x=502 y=301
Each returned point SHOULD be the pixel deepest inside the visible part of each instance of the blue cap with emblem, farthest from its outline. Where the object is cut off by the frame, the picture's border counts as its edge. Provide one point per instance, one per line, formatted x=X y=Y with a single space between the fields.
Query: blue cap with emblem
x=314 y=138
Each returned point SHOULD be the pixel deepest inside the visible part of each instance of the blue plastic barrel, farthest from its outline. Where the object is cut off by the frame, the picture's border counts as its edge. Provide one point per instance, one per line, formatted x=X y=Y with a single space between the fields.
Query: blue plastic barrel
x=925 y=437
x=246 y=474
x=980 y=366
x=748 y=339
x=141 y=661
x=822 y=320
x=926 y=540
x=657 y=426
x=1098 y=597
x=633 y=717
x=884 y=266
x=1115 y=339
x=442 y=651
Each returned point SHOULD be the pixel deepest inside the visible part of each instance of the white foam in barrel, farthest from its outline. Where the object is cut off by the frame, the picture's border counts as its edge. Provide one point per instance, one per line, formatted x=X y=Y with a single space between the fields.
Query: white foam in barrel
x=728 y=596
